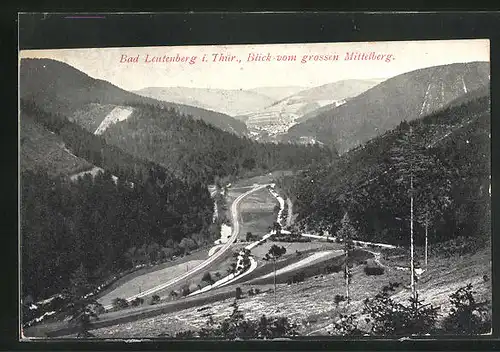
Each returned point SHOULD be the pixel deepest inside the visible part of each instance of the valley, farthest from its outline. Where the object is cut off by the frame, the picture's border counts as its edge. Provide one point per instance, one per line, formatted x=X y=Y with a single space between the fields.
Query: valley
x=268 y=212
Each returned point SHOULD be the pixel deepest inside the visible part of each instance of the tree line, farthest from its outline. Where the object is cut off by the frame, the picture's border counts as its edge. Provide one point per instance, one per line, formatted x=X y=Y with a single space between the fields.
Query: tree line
x=447 y=180
x=90 y=147
x=194 y=149
x=106 y=226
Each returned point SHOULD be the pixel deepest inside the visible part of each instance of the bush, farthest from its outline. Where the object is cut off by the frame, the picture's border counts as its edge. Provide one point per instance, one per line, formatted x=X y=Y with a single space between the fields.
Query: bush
x=389 y=318
x=339 y=298
x=207 y=278
x=137 y=302
x=188 y=334
x=467 y=317
x=185 y=290
x=298 y=277
x=384 y=317
x=120 y=303
x=373 y=268
x=346 y=326
x=155 y=299
x=237 y=327
x=333 y=269
x=238 y=293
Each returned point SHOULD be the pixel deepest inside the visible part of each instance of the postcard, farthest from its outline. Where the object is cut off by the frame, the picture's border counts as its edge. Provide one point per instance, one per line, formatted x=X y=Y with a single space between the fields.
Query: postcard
x=256 y=191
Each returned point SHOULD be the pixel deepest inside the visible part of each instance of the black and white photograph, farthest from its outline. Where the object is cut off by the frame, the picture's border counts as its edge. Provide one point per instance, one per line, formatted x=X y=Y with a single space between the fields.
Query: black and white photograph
x=255 y=191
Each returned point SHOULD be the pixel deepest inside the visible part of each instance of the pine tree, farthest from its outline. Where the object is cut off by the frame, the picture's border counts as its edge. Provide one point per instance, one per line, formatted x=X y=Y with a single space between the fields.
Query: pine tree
x=347 y=233
x=83 y=308
x=433 y=197
x=274 y=253
x=413 y=166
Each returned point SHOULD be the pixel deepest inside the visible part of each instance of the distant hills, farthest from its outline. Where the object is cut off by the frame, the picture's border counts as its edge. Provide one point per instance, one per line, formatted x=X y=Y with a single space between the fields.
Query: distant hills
x=278 y=93
x=230 y=102
x=278 y=117
x=122 y=132
x=62 y=89
x=402 y=98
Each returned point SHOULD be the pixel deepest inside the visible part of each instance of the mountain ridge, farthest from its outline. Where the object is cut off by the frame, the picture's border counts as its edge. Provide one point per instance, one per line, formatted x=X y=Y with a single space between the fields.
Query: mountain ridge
x=403 y=97
x=63 y=89
x=278 y=117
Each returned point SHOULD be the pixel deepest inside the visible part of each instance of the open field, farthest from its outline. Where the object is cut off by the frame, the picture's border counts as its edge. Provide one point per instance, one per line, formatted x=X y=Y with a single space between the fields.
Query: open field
x=307 y=261
x=199 y=254
x=310 y=303
x=257 y=213
x=219 y=266
x=148 y=281
x=445 y=276
x=292 y=247
x=297 y=301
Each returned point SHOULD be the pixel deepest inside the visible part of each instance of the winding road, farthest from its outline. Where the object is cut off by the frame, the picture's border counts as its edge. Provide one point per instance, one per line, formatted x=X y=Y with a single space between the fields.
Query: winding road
x=208 y=261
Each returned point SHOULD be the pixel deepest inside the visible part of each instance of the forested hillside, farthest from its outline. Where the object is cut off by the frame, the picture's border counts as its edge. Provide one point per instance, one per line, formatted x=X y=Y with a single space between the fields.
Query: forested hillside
x=110 y=227
x=90 y=149
x=60 y=88
x=450 y=162
x=107 y=227
x=402 y=98
x=41 y=149
x=195 y=150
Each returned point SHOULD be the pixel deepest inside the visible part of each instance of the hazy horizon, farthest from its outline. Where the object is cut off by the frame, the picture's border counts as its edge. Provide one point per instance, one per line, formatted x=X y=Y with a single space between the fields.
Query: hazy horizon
x=241 y=74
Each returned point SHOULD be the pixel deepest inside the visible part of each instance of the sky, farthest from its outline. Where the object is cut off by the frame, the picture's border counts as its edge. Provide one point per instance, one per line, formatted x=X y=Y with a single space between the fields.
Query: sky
x=111 y=64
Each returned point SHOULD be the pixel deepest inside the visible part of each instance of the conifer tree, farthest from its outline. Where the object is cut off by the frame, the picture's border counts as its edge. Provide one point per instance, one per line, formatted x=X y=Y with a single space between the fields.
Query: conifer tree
x=274 y=253
x=347 y=233
x=83 y=307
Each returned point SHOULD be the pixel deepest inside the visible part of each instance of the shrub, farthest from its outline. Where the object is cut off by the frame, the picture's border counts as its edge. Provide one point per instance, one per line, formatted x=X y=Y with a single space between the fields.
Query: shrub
x=207 y=278
x=137 y=302
x=339 y=298
x=389 y=318
x=467 y=317
x=333 y=269
x=155 y=299
x=236 y=326
x=120 y=303
x=188 y=334
x=384 y=317
x=298 y=277
x=346 y=326
x=100 y=309
x=373 y=268
x=238 y=293
x=185 y=290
